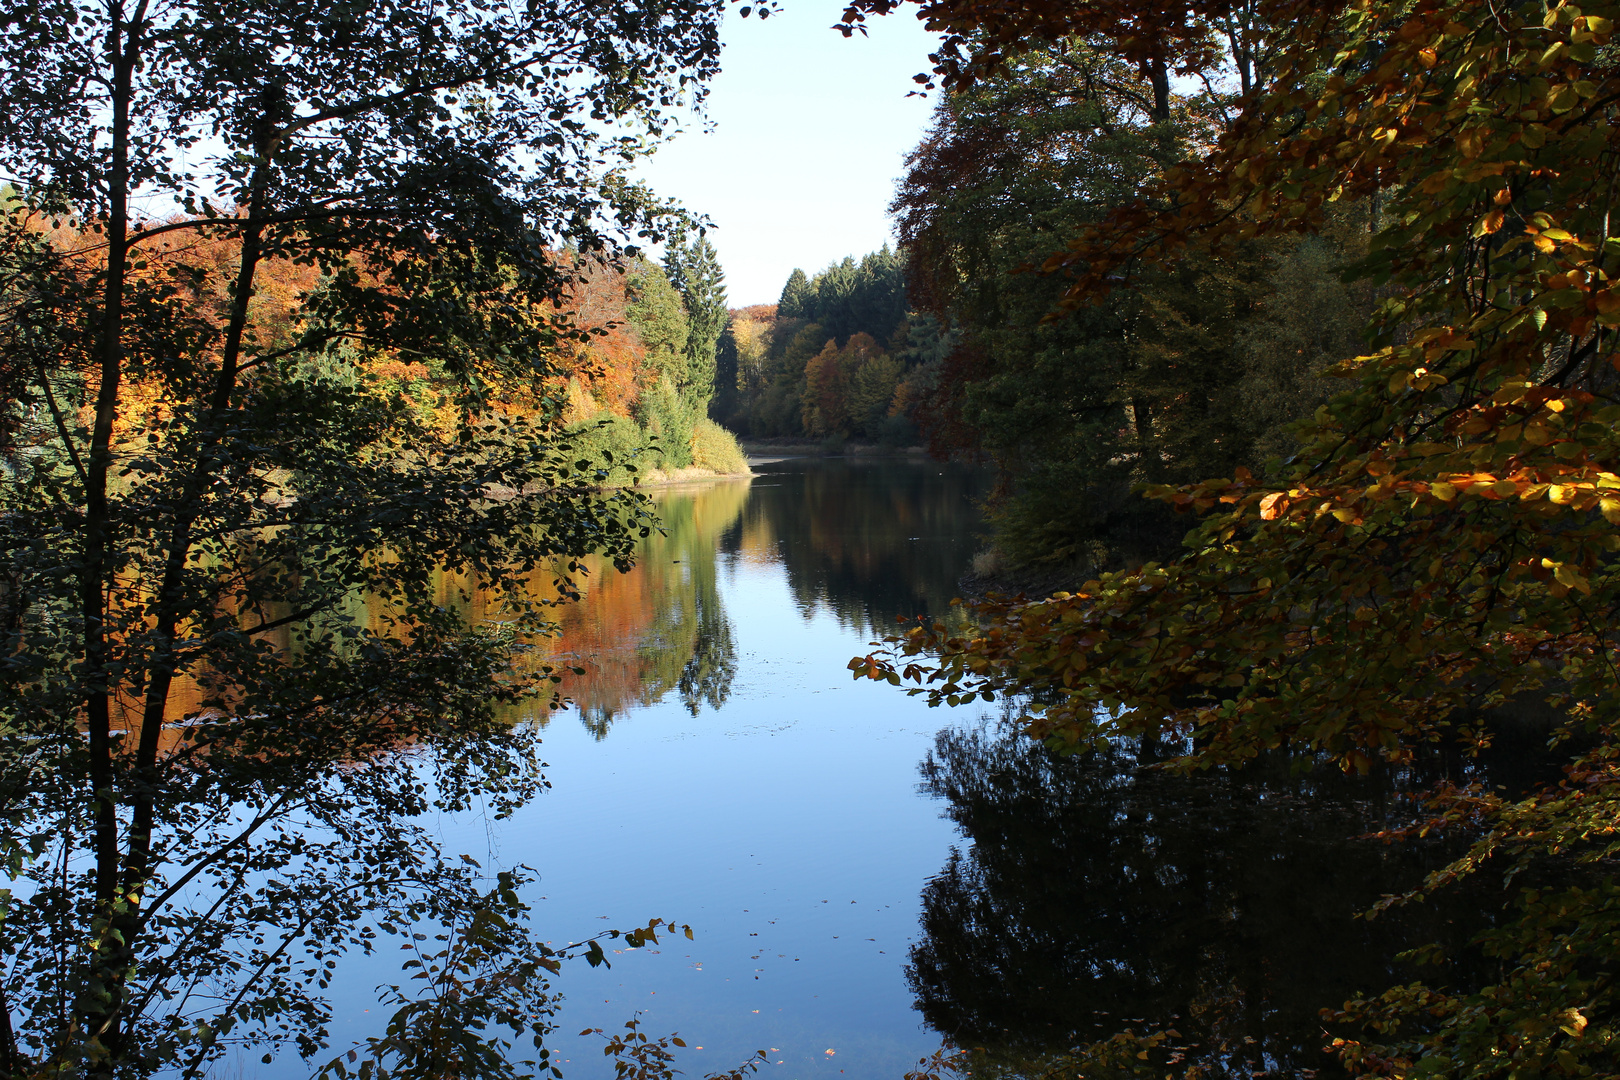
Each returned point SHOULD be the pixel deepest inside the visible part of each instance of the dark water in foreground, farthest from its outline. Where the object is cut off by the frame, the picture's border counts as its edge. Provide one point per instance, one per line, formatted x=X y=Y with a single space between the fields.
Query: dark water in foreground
x=863 y=874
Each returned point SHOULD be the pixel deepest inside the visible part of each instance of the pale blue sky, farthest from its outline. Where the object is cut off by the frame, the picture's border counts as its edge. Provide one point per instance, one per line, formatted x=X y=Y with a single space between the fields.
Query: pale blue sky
x=810 y=130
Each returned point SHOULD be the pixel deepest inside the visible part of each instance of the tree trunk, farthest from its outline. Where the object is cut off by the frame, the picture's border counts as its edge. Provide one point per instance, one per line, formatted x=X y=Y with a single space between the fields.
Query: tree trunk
x=99 y=1014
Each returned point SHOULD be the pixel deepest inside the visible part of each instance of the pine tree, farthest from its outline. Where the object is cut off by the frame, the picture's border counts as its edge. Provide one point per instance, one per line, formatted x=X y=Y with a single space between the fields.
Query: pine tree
x=703 y=289
x=676 y=257
x=796 y=297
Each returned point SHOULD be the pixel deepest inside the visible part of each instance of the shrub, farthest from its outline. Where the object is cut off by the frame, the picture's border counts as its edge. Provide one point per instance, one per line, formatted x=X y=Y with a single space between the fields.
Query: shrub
x=663 y=413
x=617 y=443
x=713 y=447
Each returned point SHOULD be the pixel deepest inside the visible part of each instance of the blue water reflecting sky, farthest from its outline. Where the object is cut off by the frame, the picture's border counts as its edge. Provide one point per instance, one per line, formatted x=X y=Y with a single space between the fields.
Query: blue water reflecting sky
x=785 y=826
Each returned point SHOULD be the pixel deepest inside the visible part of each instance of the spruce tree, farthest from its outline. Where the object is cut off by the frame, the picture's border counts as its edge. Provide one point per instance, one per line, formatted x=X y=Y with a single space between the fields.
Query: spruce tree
x=796 y=297
x=703 y=289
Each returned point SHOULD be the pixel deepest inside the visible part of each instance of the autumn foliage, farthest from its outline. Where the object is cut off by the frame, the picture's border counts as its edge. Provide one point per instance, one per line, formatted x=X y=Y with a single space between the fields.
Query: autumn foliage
x=1442 y=546
x=594 y=365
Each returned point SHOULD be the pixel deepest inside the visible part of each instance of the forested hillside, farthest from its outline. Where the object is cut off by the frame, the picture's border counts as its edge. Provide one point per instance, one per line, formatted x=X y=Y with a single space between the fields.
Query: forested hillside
x=627 y=355
x=644 y=367
x=841 y=355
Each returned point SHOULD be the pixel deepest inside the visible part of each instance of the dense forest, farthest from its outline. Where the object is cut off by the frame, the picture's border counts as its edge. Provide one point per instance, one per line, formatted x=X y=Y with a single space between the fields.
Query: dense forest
x=1184 y=371
x=840 y=356
x=1292 y=330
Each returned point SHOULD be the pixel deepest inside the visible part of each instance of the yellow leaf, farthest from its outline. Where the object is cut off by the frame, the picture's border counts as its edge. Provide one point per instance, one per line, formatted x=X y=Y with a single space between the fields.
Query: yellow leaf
x=1574 y=1023
x=1611 y=510
x=1565 y=574
x=1443 y=491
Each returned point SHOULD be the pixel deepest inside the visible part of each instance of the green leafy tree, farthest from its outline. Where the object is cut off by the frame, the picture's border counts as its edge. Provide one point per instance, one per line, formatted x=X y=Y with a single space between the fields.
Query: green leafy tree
x=659 y=318
x=871 y=391
x=230 y=683
x=667 y=416
x=1167 y=379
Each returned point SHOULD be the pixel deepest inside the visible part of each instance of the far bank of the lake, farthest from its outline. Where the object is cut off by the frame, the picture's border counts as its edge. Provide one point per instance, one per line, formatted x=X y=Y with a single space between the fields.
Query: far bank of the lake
x=693 y=474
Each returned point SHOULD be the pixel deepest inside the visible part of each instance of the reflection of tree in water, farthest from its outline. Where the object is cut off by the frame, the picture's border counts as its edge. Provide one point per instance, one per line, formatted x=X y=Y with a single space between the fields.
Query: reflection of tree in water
x=867 y=540
x=658 y=627
x=1095 y=896
x=707 y=676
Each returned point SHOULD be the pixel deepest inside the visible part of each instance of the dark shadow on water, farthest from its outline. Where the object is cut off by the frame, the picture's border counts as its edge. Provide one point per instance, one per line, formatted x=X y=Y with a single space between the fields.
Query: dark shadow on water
x=867 y=540
x=1091 y=895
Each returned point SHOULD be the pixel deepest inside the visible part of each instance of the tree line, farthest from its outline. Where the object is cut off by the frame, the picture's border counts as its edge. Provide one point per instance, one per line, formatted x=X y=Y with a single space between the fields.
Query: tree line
x=841 y=355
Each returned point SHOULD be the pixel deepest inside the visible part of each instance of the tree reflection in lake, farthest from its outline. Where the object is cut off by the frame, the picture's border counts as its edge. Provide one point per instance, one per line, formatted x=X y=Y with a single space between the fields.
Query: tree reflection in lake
x=1094 y=895
x=867 y=540
x=660 y=626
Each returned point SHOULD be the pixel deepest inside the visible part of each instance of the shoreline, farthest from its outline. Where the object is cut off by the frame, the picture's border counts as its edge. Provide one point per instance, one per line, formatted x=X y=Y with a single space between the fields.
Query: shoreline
x=692 y=474
x=767 y=450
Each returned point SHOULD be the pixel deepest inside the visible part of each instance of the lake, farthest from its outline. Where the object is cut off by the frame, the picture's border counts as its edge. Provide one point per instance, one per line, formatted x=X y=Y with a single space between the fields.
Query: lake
x=865 y=875
x=723 y=770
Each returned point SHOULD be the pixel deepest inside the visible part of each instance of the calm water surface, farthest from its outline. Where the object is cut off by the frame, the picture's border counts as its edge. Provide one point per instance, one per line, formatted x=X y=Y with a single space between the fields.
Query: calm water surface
x=722 y=769
x=865 y=875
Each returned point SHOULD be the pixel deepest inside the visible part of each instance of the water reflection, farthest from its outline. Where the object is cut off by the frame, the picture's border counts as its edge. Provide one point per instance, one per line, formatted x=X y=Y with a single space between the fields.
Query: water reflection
x=865 y=540
x=658 y=627
x=1093 y=895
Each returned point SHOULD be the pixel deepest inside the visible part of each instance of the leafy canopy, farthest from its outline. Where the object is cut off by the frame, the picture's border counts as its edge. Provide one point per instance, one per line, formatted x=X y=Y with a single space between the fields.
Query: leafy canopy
x=260 y=608
x=1444 y=541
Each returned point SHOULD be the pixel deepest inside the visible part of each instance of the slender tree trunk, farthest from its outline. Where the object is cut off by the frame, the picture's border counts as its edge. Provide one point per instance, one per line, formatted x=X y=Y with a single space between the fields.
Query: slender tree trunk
x=1158 y=74
x=171 y=607
x=1142 y=421
x=100 y=1011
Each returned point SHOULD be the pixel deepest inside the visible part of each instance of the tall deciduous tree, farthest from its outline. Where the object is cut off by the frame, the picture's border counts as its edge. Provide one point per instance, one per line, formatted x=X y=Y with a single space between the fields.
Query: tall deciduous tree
x=231 y=677
x=1444 y=542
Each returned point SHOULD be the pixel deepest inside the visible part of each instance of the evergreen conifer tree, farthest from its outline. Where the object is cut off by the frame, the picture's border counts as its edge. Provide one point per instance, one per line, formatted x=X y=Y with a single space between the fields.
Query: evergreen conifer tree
x=676 y=257
x=703 y=289
x=796 y=297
